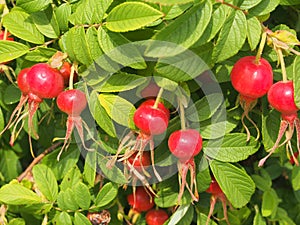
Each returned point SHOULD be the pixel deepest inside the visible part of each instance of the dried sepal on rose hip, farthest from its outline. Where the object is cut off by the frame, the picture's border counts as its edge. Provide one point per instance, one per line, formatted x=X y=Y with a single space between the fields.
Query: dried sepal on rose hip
x=99 y=218
x=281 y=98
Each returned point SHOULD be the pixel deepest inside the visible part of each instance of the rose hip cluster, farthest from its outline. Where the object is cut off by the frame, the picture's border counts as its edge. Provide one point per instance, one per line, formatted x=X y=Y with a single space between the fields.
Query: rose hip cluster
x=142 y=201
x=253 y=78
x=39 y=82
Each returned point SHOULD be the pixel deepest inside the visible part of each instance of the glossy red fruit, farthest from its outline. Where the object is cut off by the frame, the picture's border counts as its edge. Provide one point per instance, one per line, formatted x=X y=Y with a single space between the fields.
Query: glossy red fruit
x=140 y=162
x=65 y=71
x=251 y=79
x=160 y=105
x=22 y=81
x=72 y=102
x=150 y=120
x=142 y=201
x=281 y=98
x=185 y=144
x=45 y=81
x=156 y=217
x=214 y=188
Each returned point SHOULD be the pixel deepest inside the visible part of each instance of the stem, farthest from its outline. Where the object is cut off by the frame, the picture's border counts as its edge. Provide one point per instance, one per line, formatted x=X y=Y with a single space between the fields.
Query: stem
x=182 y=116
x=71 y=79
x=283 y=69
x=158 y=97
x=37 y=160
x=232 y=6
x=261 y=47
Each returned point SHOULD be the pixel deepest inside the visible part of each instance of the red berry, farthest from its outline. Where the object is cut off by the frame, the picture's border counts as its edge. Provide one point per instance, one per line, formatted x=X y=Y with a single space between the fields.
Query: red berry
x=65 y=71
x=185 y=144
x=161 y=106
x=22 y=81
x=72 y=102
x=150 y=120
x=8 y=38
x=214 y=188
x=252 y=79
x=140 y=162
x=143 y=200
x=281 y=98
x=45 y=81
x=156 y=217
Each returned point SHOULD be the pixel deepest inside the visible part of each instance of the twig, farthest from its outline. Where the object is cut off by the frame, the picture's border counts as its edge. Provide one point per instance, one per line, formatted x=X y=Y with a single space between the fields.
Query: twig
x=37 y=160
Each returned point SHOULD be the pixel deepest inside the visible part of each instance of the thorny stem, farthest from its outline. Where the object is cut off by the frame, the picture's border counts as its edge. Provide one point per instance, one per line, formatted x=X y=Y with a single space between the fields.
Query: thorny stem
x=161 y=90
x=37 y=160
x=283 y=69
x=261 y=47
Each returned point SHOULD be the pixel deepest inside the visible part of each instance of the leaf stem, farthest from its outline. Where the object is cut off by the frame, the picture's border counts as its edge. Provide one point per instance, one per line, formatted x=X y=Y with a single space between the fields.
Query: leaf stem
x=261 y=47
x=158 y=97
x=282 y=64
x=71 y=79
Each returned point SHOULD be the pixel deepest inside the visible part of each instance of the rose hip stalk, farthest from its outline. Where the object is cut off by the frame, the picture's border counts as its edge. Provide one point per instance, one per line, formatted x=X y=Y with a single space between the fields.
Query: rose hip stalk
x=36 y=83
x=281 y=98
x=73 y=102
x=216 y=194
x=152 y=118
x=185 y=144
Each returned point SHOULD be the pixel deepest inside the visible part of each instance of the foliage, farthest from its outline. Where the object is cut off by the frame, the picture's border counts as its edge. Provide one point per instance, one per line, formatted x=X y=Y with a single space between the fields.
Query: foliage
x=118 y=48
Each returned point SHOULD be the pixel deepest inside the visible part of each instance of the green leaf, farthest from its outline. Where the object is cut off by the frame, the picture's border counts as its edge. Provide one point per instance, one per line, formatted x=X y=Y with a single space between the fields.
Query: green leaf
x=12 y=94
x=63 y=219
x=62 y=14
x=270 y=203
x=122 y=81
x=75 y=44
x=10 y=165
x=264 y=7
x=114 y=173
x=231 y=148
x=21 y=25
x=11 y=50
x=215 y=24
x=182 y=67
x=90 y=12
x=131 y=16
x=45 y=181
x=67 y=160
x=120 y=49
x=296 y=178
x=296 y=80
x=236 y=184
x=183 y=215
x=31 y=6
x=173 y=11
x=289 y=2
x=100 y=115
x=71 y=178
x=106 y=194
x=89 y=171
x=118 y=108
x=2 y=123
x=248 y=4
x=261 y=182
x=82 y=196
x=17 y=221
x=253 y=32
x=258 y=219
x=16 y=194
x=202 y=218
x=92 y=40
x=46 y=23
x=40 y=54
x=215 y=129
x=66 y=200
x=184 y=31
x=169 y=2
x=204 y=108
x=80 y=219
x=232 y=36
